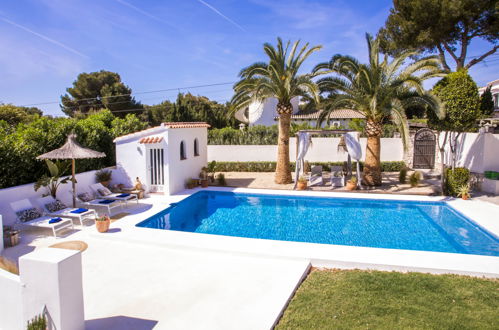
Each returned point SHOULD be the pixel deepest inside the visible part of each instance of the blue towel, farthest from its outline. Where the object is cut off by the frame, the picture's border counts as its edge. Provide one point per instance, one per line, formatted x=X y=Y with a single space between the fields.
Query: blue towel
x=55 y=220
x=123 y=195
x=106 y=201
x=80 y=210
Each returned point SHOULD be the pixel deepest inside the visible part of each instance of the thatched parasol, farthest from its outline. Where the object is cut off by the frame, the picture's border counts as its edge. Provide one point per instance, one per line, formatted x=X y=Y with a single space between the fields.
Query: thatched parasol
x=72 y=150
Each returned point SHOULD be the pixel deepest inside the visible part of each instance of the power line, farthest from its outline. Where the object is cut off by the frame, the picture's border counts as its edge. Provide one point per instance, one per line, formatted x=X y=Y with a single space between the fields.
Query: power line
x=136 y=93
x=150 y=98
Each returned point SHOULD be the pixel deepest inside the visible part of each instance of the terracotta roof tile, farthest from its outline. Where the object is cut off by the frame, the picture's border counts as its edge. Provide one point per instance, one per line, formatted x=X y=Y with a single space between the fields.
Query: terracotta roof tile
x=151 y=139
x=186 y=124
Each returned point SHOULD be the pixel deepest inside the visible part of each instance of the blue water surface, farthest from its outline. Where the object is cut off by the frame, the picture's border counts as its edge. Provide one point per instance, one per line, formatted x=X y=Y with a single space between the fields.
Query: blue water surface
x=409 y=225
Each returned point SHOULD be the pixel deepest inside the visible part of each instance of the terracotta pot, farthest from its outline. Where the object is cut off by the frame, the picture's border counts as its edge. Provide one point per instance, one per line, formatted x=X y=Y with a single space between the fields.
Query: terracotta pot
x=102 y=226
x=301 y=185
x=351 y=186
x=465 y=197
x=204 y=183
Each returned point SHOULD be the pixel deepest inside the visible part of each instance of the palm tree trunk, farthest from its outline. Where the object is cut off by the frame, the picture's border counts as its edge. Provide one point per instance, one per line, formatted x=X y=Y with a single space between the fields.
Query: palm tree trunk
x=372 y=165
x=283 y=172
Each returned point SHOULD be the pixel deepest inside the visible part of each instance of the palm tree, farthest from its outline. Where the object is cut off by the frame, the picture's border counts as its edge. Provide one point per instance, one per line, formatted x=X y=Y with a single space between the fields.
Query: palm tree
x=381 y=90
x=278 y=78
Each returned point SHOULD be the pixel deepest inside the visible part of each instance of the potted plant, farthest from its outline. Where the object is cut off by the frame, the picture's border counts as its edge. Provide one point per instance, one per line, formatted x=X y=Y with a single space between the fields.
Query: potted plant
x=403 y=175
x=352 y=183
x=102 y=223
x=302 y=183
x=192 y=183
x=464 y=192
x=203 y=176
x=104 y=177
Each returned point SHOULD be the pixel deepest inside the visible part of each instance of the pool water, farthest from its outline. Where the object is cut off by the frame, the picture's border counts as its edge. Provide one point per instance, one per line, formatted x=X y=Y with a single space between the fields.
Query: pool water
x=408 y=225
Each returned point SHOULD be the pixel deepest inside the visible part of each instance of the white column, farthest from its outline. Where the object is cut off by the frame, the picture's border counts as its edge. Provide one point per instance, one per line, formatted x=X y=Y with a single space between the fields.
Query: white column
x=53 y=278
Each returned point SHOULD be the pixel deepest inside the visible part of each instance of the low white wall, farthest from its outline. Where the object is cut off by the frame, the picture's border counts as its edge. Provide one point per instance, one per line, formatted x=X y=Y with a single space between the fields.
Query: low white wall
x=50 y=281
x=322 y=150
x=11 y=307
x=64 y=193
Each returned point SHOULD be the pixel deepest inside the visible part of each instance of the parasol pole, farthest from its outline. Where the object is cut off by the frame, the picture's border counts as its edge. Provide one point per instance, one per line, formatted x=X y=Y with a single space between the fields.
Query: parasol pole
x=73 y=180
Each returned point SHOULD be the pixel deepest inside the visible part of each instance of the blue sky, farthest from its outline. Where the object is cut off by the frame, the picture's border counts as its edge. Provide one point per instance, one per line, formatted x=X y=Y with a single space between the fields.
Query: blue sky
x=166 y=44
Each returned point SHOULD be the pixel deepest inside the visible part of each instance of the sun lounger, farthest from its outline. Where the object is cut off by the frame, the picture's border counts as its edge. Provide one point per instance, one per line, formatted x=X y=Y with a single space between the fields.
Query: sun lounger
x=56 y=208
x=102 y=192
x=28 y=215
x=337 y=176
x=316 y=176
x=89 y=201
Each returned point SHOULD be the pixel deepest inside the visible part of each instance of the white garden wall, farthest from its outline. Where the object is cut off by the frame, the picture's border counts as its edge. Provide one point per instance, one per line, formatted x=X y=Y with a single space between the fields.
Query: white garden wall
x=322 y=150
x=64 y=193
x=478 y=152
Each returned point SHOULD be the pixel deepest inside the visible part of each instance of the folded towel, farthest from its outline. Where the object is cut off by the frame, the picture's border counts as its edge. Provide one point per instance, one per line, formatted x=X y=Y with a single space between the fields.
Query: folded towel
x=106 y=201
x=55 y=220
x=123 y=195
x=80 y=210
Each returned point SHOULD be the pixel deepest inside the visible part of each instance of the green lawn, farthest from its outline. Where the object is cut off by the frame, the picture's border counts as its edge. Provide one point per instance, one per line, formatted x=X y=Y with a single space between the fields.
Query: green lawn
x=390 y=300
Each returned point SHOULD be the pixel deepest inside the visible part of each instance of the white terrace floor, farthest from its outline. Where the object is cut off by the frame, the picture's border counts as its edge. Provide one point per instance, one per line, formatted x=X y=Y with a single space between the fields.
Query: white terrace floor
x=140 y=278
x=140 y=286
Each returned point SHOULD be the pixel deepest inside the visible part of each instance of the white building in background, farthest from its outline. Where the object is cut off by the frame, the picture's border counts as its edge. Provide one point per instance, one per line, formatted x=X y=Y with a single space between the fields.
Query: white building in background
x=164 y=157
x=494 y=89
x=265 y=113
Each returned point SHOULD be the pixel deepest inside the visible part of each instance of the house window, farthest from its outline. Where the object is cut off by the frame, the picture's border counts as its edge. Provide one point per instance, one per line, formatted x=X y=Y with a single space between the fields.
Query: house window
x=196 y=147
x=183 y=154
x=496 y=100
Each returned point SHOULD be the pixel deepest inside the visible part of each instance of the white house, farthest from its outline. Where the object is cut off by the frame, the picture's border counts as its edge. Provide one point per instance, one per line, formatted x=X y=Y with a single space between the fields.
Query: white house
x=337 y=118
x=265 y=113
x=494 y=89
x=164 y=157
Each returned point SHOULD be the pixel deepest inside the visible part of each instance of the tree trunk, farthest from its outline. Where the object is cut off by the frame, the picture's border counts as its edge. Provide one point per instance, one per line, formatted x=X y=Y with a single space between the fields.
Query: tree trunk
x=372 y=165
x=282 y=172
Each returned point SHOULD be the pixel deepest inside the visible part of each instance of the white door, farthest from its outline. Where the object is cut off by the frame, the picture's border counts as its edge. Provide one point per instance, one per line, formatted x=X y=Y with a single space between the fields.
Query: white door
x=156 y=169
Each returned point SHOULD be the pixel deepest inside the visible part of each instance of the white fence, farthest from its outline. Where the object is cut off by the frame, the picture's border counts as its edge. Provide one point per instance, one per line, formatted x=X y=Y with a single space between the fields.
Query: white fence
x=322 y=150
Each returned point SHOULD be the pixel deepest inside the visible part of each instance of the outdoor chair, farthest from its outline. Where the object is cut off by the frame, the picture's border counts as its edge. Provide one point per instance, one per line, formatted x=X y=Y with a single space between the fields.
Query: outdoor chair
x=316 y=176
x=337 y=176
x=88 y=200
x=56 y=208
x=28 y=215
x=105 y=193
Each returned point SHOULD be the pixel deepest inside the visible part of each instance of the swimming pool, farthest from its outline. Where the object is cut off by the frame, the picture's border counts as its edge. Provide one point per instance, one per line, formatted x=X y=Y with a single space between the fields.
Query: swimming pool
x=393 y=224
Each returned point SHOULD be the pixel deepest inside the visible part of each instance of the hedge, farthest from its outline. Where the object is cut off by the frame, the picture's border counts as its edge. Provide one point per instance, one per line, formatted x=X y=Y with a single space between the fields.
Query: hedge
x=270 y=166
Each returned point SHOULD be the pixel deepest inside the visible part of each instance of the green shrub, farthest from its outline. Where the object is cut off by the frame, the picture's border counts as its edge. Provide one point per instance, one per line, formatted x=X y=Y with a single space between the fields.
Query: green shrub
x=415 y=178
x=403 y=175
x=39 y=322
x=454 y=179
x=270 y=166
x=20 y=145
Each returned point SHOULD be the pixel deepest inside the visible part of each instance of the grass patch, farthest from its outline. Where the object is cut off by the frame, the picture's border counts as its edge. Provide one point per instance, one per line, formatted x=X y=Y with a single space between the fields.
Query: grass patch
x=334 y=299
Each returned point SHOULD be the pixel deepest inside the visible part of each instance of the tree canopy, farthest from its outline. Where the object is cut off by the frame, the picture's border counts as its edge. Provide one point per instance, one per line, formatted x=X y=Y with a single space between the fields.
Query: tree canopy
x=443 y=27
x=14 y=115
x=99 y=90
x=188 y=107
x=487 y=103
x=459 y=94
